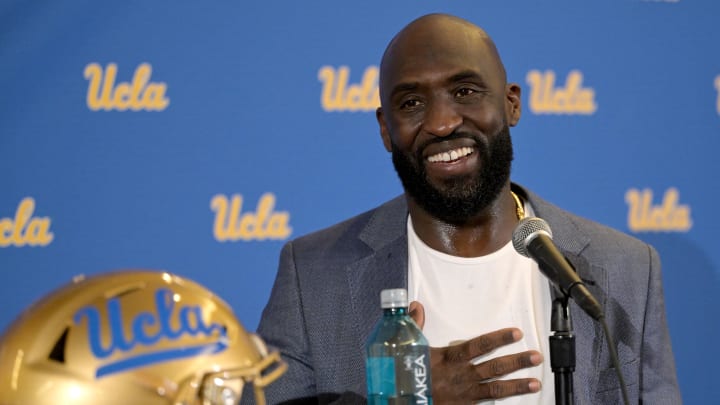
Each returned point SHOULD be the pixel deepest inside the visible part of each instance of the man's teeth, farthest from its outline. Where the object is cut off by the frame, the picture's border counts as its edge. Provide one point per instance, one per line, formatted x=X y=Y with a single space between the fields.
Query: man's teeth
x=454 y=154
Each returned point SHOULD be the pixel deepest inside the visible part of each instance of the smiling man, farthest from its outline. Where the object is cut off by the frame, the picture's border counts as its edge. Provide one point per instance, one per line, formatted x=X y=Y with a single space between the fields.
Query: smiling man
x=446 y=112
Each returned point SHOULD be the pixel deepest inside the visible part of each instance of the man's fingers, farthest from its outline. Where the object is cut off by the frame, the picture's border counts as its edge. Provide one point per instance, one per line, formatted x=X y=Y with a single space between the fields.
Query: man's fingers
x=502 y=389
x=481 y=345
x=504 y=365
x=460 y=378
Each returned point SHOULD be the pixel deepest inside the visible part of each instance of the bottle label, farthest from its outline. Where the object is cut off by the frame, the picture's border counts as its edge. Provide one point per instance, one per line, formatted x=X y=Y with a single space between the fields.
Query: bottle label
x=415 y=376
x=408 y=377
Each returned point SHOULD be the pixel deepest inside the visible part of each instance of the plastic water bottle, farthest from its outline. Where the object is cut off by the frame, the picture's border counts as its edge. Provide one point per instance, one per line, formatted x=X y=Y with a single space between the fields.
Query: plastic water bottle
x=398 y=356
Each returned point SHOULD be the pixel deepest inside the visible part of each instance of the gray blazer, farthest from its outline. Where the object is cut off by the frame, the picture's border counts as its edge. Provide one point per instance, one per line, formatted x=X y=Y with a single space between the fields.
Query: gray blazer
x=325 y=302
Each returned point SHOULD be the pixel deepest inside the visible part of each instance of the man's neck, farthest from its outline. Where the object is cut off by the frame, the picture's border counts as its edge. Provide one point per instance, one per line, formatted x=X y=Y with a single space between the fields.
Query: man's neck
x=480 y=235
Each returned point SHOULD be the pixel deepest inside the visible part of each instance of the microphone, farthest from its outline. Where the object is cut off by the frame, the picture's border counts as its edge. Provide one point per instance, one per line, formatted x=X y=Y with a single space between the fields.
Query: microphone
x=533 y=238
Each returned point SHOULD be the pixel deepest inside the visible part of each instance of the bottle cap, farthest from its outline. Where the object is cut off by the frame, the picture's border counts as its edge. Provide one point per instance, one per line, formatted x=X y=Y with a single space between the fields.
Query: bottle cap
x=394 y=298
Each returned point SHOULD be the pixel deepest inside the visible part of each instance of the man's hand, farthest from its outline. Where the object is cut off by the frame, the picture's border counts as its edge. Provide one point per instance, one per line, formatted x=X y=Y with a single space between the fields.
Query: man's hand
x=456 y=380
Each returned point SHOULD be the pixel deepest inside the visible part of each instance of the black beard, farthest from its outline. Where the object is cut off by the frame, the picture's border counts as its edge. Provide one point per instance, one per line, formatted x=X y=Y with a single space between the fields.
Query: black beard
x=461 y=198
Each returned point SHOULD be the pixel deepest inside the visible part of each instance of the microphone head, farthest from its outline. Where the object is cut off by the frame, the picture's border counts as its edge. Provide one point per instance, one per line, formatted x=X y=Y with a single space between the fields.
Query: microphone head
x=526 y=231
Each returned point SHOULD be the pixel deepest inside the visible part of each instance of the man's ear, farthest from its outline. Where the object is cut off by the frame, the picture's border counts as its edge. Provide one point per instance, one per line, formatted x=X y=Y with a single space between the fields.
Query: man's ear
x=383 y=129
x=513 y=105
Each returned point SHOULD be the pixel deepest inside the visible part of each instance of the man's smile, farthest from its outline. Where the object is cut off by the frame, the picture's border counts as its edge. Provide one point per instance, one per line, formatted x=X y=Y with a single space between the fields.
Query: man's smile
x=461 y=161
x=450 y=156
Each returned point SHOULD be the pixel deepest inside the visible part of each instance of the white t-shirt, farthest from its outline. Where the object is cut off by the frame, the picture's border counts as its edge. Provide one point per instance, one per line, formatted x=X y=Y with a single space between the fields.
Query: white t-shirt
x=467 y=297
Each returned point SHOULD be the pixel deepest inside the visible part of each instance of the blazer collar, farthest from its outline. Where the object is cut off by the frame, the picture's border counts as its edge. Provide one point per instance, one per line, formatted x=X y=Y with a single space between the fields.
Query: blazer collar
x=385 y=232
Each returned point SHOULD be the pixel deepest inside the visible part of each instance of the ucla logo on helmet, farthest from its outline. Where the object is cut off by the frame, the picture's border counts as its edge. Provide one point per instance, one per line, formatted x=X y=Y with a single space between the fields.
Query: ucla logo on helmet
x=166 y=331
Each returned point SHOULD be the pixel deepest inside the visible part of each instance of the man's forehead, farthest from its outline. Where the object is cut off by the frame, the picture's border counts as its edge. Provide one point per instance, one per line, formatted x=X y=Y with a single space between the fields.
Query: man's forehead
x=437 y=49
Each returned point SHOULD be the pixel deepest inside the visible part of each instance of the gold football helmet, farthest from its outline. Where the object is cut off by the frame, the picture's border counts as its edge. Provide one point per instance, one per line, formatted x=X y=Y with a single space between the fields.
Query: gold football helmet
x=132 y=338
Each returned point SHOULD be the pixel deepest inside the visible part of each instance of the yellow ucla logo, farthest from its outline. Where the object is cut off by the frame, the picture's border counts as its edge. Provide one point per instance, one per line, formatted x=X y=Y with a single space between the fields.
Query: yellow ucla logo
x=337 y=95
x=717 y=88
x=24 y=229
x=546 y=98
x=231 y=224
x=643 y=216
x=140 y=94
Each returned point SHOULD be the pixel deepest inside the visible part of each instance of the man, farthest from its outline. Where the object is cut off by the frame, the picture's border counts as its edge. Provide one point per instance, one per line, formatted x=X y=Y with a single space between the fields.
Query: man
x=445 y=114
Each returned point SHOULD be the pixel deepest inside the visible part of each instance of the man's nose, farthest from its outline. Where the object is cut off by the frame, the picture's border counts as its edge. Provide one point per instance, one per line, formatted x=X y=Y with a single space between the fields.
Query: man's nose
x=441 y=118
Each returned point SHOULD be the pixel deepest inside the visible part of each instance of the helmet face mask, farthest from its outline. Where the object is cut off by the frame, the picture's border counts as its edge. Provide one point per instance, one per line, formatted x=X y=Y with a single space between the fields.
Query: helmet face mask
x=219 y=391
x=225 y=387
x=132 y=337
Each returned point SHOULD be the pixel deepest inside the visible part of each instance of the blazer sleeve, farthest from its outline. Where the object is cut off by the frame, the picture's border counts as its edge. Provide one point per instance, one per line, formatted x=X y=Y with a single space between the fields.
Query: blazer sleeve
x=659 y=380
x=282 y=326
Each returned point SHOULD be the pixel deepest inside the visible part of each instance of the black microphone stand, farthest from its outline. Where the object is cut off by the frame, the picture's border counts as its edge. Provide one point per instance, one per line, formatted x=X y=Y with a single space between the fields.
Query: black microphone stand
x=562 y=349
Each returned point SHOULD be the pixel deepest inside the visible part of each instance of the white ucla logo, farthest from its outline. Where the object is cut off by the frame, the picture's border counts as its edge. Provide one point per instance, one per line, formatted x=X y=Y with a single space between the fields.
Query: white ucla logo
x=545 y=98
x=644 y=216
x=24 y=229
x=140 y=94
x=231 y=224
x=337 y=95
x=717 y=88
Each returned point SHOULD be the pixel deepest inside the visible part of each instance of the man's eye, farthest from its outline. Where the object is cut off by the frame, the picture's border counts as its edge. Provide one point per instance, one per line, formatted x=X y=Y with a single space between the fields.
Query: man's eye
x=464 y=92
x=409 y=104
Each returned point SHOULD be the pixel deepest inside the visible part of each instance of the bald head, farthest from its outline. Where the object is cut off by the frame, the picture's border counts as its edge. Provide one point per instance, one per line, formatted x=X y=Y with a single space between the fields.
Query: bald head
x=433 y=37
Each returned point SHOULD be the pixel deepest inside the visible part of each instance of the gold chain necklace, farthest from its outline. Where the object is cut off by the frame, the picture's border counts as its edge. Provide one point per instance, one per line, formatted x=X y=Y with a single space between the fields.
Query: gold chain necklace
x=518 y=206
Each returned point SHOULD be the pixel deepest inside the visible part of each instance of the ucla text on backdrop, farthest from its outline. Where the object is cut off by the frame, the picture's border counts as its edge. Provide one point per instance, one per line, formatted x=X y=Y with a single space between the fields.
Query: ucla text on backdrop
x=572 y=98
x=24 y=229
x=668 y=216
x=231 y=224
x=138 y=95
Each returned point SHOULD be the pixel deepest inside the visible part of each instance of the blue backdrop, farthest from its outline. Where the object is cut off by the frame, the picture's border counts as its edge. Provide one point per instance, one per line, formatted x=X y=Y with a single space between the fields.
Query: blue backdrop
x=197 y=137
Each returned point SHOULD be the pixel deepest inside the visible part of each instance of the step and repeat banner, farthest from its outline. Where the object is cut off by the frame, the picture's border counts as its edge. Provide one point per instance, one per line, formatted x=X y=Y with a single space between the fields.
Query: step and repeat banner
x=198 y=137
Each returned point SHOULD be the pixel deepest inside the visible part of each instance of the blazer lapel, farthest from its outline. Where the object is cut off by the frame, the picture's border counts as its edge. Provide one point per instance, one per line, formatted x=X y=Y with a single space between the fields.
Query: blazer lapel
x=385 y=265
x=589 y=336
